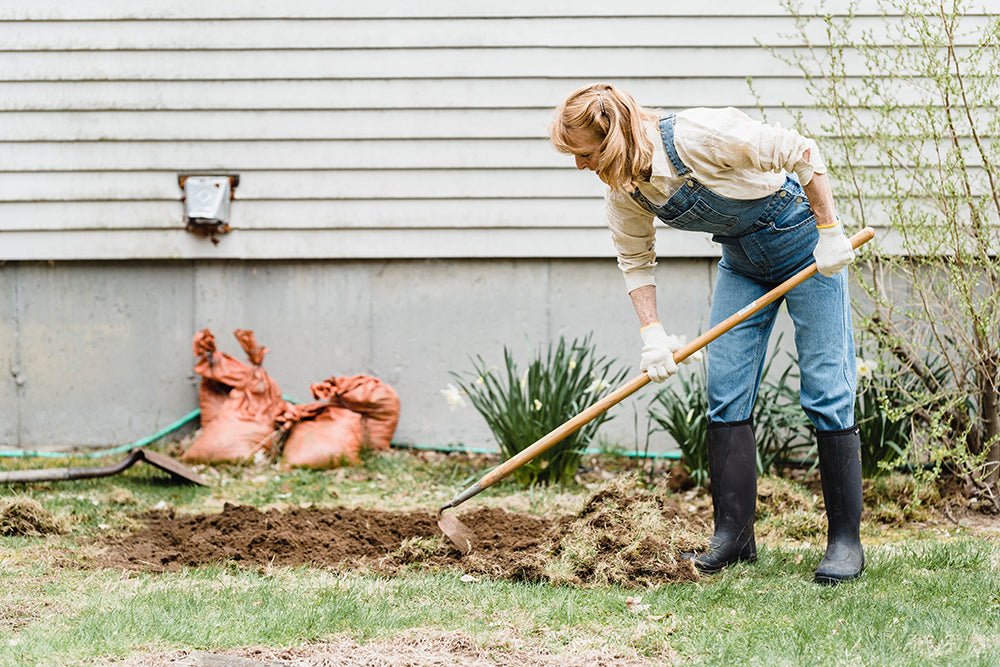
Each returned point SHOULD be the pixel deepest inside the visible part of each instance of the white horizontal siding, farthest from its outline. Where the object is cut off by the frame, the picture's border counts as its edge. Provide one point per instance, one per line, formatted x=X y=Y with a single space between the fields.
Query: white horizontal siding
x=370 y=155
x=290 y=34
x=413 y=124
x=59 y=10
x=336 y=64
x=418 y=128
x=395 y=213
x=278 y=154
x=403 y=214
x=321 y=185
x=502 y=93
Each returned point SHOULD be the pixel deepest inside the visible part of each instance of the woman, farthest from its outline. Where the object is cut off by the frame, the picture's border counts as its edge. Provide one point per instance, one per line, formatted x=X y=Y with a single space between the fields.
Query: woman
x=719 y=171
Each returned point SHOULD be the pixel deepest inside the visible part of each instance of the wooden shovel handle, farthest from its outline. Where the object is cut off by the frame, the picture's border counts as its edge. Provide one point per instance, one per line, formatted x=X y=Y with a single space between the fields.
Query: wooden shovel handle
x=557 y=435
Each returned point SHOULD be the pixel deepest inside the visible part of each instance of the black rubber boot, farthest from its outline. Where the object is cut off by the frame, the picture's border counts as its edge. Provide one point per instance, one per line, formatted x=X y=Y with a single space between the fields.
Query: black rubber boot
x=732 y=469
x=840 y=468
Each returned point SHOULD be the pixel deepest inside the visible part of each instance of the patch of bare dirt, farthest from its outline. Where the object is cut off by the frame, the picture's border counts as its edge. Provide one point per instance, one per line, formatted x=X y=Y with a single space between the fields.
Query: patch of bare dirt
x=624 y=535
x=312 y=536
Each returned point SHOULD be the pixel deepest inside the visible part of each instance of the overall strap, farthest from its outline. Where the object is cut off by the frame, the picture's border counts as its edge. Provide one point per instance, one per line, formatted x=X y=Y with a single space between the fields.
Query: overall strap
x=667 y=132
x=642 y=201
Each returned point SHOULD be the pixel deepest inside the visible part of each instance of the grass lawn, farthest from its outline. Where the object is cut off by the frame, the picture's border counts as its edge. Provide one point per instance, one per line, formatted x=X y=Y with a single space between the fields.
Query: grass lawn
x=930 y=594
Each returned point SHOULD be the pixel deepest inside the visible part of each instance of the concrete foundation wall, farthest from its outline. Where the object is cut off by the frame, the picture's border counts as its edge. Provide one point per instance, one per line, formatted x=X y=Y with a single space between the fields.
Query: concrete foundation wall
x=100 y=353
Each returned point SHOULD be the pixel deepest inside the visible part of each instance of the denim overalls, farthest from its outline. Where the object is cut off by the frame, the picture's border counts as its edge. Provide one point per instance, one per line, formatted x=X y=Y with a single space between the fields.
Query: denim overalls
x=764 y=242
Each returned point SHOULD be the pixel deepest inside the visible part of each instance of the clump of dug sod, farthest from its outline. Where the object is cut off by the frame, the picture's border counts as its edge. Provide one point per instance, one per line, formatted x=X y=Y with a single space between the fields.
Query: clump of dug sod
x=787 y=510
x=22 y=516
x=626 y=535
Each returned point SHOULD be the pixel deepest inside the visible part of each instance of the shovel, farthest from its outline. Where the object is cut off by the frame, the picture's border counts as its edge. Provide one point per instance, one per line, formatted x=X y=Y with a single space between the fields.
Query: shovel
x=178 y=471
x=464 y=538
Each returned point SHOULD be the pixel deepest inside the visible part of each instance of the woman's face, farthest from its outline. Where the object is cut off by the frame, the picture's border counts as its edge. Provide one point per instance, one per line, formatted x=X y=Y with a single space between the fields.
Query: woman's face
x=588 y=151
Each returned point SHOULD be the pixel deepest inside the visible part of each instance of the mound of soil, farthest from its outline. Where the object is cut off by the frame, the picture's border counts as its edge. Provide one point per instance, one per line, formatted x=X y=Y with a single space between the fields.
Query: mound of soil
x=624 y=535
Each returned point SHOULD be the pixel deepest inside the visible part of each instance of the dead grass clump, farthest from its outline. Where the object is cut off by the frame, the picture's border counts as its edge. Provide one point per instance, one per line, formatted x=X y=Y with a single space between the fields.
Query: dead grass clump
x=23 y=516
x=787 y=510
x=416 y=550
x=896 y=499
x=794 y=525
x=121 y=497
x=776 y=495
x=626 y=535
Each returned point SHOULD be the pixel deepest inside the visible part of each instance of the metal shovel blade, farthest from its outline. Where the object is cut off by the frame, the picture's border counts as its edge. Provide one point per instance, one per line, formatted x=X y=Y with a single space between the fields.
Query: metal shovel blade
x=460 y=535
x=175 y=468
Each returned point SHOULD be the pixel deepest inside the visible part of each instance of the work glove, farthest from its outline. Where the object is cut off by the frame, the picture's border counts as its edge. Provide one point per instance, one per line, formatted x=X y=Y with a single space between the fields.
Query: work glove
x=833 y=251
x=658 y=352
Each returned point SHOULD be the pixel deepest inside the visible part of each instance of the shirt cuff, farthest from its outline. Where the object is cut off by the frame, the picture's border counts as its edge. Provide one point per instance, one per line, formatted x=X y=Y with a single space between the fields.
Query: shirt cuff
x=805 y=170
x=637 y=278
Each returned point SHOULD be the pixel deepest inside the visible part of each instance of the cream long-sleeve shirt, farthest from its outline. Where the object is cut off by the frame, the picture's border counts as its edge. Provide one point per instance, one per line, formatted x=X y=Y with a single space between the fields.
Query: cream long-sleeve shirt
x=728 y=152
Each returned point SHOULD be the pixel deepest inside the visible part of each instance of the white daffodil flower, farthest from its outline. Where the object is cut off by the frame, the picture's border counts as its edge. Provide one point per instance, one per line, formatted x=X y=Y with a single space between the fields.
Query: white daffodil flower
x=597 y=386
x=453 y=395
x=537 y=404
x=865 y=367
x=572 y=363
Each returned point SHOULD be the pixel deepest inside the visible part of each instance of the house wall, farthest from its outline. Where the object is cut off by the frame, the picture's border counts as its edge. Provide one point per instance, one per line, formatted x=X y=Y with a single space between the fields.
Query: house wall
x=399 y=207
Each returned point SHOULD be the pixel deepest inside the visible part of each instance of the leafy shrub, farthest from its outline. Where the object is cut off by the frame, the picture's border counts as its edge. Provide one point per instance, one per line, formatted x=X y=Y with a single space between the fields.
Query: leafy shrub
x=933 y=284
x=520 y=408
x=889 y=407
x=882 y=420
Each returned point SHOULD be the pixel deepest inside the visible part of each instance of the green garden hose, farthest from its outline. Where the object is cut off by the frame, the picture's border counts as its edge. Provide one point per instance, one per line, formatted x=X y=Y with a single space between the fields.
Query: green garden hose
x=195 y=414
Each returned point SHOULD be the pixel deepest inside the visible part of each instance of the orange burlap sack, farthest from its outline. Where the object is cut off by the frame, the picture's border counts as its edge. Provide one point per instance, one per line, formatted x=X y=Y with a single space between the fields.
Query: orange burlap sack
x=374 y=400
x=219 y=374
x=245 y=422
x=329 y=439
x=349 y=413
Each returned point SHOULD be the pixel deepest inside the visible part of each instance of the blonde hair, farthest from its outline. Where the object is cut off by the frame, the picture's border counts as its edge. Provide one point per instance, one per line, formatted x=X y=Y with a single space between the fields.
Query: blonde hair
x=613 y=118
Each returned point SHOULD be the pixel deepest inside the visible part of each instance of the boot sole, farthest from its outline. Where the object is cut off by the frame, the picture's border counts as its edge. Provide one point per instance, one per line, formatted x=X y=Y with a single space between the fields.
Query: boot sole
x=719 y=568
x=833 y=580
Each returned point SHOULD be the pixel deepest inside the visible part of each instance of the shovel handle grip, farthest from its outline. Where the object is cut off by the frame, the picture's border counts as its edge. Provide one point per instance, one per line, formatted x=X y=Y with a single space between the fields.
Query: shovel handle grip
x=560 y=433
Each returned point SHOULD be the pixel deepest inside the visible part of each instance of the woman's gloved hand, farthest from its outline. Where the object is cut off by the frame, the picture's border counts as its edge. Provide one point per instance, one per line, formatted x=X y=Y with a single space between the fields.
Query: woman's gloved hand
x=833 y=251
x=658 y=352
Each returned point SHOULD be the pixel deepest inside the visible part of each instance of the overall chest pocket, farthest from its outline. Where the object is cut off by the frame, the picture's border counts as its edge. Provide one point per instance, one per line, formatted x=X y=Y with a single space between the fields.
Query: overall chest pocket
x=701 y=217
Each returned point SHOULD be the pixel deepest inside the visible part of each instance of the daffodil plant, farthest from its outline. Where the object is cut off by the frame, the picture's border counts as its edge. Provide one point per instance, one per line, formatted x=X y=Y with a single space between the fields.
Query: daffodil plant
x=520 y=406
